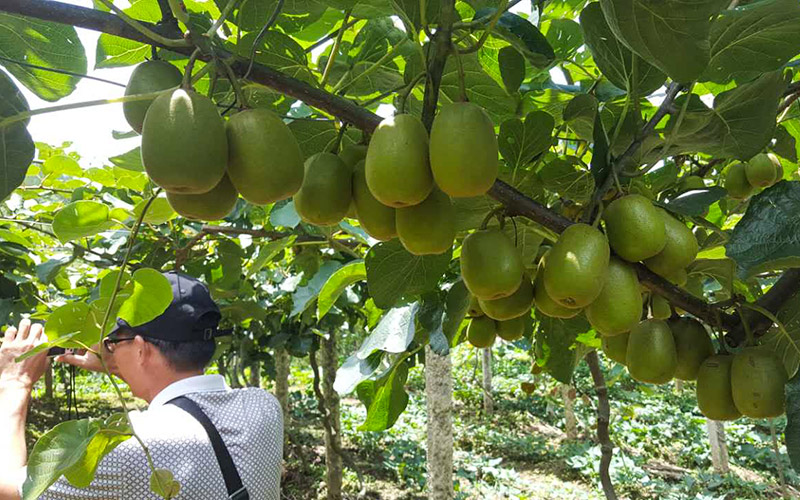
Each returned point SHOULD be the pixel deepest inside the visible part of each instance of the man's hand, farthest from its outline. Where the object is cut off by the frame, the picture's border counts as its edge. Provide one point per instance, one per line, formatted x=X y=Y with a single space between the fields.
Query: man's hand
x=90 y=361
x=23 y=374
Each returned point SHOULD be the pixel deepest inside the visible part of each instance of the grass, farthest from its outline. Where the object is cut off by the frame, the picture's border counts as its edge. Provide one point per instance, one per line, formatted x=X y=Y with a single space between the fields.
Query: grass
x=519 y=452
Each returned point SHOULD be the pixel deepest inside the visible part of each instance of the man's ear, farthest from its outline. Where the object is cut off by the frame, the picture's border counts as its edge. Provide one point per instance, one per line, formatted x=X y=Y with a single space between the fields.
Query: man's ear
x=143 y=349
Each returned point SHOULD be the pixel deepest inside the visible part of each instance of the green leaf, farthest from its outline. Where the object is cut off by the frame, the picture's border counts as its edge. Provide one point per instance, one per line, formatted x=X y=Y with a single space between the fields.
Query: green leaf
x=160 y=211
x=283 y=214
x=16 y=154
x=269 y=251
x=740 y=125
x=753 y=39
x=526 y=235
x=113 y=51
x=695 y=201
x=46 y=44
x=151 y=295
x=394 y=332
x=304 y=296
x=669 y=34
x=12 y=101
x=389 y=401
x=47 y=271
x=792 y=431
x=392 y=272
x=354 y=371
x=512 y=68
x=456 y=305
x=564 y=35
x=786 y=345
x=342 y=278
x=65 y=320
x=520 y=142
x=614 y=59
x=115 y=430
x=579 y=114
x=566 y=177
x=556 y=345
x=132 y=160
x=231 y=259
x=481 y=88
x=522 y=35
x=80 y=219
x=314 y=136
x=55 y=452
x=722 y=270
x=768 y=235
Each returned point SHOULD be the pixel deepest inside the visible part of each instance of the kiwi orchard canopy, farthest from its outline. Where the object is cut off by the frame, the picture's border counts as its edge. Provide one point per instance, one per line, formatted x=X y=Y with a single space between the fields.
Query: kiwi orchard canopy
x=641 y=209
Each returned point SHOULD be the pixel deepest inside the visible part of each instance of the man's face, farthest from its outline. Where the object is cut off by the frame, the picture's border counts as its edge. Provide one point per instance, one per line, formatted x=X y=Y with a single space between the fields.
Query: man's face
x=124 y=351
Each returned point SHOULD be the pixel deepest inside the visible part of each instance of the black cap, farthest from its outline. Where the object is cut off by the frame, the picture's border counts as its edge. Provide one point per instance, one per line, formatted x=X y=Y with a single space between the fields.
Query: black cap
x=191 y=316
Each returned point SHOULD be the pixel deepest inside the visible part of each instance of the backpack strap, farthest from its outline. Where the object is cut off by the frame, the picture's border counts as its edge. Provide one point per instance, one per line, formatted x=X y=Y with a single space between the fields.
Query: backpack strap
x=233 y=482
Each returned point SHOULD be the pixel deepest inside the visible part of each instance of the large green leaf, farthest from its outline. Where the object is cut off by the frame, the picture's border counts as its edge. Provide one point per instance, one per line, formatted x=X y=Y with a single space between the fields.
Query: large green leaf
x=520 y=142
x=16 y=146
x=113 y=51
x=151 y=295
x=80 y=219
x=394 y=332
x=55 y=452
x=740 y=124
x=354 y=371
x=567 y=178
x=753 y=39
x=342 y=278
x=11 y=99
x=46 y=44
x=622 y=67
x=269 y=251
x=695 y=201
x=768 y=236
x=556 y=347
x=786 y=345
x=67 y=319
x=523 y=35
x=669 y=34
x=304 y=296
x=386 y=399
x=392 y=272
x=114 y=431
x=481 y=88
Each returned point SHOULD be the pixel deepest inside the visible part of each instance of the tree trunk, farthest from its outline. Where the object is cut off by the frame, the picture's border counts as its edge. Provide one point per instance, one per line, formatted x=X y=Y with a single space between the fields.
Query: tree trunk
x=719 y=448
x=333 y=440
x=570 y=422
x=603 y=418
x=439 y=396
x=283 y=366
x=678 y=385
x=486 y=368
x=255 y=374
x=48 y=382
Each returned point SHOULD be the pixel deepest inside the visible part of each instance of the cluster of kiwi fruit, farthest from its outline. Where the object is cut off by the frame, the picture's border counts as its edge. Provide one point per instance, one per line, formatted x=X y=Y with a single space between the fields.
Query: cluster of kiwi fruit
x=202 y=161
x=743 y=179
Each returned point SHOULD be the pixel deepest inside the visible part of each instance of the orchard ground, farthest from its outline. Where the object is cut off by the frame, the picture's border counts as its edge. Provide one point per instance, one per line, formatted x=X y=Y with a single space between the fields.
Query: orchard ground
x=522 y=451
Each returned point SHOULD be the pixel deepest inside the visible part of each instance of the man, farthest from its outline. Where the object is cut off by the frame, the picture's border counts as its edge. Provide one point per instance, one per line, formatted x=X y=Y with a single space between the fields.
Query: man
x=161 y=361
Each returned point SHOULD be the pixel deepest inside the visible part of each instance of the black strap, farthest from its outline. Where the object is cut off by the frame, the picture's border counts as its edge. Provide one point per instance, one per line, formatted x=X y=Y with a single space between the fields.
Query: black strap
x=233 y=482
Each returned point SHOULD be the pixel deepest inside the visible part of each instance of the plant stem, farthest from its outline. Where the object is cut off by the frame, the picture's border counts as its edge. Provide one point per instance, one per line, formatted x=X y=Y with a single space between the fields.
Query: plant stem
x=488 y=31
x=223 y=15
x=334 y=50
x=24 y=115
x=144 y=30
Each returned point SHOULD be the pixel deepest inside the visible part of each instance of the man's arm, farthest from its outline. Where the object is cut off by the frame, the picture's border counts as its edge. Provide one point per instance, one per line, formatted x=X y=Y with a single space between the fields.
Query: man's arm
x=16 y=382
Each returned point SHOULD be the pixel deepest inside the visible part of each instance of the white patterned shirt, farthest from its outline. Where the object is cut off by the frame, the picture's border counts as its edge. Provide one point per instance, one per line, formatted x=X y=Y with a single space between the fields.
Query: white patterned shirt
x=249 y=420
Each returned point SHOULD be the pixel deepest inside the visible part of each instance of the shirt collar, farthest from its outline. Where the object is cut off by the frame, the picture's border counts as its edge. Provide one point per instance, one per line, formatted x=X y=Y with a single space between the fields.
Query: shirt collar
x=190 y=385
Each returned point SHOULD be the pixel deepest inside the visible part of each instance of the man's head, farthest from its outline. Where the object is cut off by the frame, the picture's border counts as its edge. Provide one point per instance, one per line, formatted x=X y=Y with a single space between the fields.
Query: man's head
x=177 y=344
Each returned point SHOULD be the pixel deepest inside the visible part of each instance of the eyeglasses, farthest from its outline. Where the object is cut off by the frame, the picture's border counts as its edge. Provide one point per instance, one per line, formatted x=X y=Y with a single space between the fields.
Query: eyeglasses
x=110 y=343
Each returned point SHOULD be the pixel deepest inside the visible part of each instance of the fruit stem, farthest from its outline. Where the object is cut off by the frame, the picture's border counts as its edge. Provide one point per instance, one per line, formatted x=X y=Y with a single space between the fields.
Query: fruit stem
x=462 y=89
x=144 y=30
x=237 y=87
x=599 y=215
x=495 y=212
x=187 y=75
x=334 y=50
x=24 y=115
x=403 y=96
